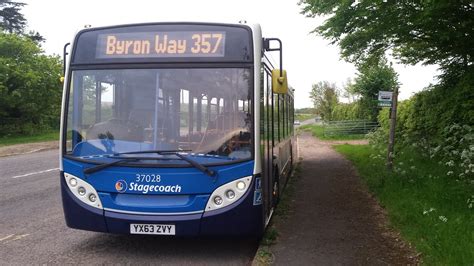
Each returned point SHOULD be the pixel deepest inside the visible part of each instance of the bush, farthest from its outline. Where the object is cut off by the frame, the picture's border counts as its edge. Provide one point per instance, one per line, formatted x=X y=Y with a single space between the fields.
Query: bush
x=346 y=111
x=439 y=123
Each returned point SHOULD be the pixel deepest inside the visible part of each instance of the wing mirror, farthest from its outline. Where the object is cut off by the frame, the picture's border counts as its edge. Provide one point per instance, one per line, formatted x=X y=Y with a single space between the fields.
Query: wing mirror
x=279 y=82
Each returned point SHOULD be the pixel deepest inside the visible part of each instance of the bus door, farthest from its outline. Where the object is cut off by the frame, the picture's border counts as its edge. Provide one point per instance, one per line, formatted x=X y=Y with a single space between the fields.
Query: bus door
x=267 y=140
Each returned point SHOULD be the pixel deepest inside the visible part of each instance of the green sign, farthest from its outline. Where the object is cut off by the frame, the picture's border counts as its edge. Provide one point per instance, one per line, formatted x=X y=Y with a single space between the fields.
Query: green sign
x=385 y=98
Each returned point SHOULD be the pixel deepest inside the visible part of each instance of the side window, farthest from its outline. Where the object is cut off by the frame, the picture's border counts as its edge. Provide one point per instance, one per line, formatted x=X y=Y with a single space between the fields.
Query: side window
x=287 y=114
x=283 y=119
x=270 y=111
x=276 y=118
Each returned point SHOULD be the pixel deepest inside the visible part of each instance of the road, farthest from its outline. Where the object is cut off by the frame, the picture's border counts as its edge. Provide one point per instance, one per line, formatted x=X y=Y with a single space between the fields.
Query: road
x=32 y=227
x=307 y=122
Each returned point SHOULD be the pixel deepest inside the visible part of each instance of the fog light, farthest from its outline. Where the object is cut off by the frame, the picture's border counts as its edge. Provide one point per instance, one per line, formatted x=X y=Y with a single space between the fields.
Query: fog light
x=73 y=182
x=241 y=185
x=92 y=197
x=81 y=191
x=230 y=194
x=217 y=200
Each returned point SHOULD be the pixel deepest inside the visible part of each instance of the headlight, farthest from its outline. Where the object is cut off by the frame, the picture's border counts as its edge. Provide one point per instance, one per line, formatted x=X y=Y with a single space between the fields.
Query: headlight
x=92 y=197
x=217 y=200
x=83 y=190
x=228 y=193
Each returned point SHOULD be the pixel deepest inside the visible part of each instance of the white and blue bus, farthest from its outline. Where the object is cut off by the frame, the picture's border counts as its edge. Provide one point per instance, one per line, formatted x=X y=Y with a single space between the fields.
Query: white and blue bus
x=174 y=129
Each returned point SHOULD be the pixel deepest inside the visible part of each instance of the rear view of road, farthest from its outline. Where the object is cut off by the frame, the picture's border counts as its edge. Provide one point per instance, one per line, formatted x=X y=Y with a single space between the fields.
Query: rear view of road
x=332 y=219
x=33 y=231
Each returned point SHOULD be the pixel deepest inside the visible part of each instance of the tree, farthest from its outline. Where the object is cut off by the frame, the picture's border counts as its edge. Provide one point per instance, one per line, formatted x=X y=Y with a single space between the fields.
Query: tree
x=431 y=32
x=324 y=96
x=30 y=90
x=35 y=36
x=374 y=75
x=348 y=91
x=11 y=20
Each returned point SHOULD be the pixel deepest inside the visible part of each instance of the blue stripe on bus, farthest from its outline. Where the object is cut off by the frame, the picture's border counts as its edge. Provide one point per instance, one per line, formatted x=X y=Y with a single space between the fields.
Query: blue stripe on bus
x=195 y=187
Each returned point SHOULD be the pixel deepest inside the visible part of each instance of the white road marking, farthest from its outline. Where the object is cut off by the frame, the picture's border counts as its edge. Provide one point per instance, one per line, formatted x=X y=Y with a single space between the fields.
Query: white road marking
x=7 y=237
x=13 y=237
x=35 y=173
x=20 y=237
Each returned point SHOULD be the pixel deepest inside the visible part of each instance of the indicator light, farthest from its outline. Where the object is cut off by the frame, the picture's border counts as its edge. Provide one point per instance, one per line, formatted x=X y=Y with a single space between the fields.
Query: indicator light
x=241 y=185
x=73 y=182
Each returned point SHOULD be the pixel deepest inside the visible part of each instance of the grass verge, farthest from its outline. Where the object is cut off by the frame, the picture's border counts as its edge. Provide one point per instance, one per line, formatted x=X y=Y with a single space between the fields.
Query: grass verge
x=11 y=140
x=318 y=131
x=428 y=207
x=264 y=255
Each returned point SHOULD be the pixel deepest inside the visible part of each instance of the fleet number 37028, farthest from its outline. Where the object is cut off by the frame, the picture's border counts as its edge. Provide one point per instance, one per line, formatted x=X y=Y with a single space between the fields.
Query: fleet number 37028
x=147 y=178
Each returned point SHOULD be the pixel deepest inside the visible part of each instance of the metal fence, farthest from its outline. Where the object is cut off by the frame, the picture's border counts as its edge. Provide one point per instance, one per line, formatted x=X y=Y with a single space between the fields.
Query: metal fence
x=352 y=127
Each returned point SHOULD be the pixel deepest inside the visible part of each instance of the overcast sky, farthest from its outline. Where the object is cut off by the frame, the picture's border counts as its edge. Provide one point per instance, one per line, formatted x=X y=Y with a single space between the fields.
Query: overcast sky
x=307 y=57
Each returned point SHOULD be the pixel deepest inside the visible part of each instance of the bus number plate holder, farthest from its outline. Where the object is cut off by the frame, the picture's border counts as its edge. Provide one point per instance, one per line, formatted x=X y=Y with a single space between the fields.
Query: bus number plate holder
x=153 y=229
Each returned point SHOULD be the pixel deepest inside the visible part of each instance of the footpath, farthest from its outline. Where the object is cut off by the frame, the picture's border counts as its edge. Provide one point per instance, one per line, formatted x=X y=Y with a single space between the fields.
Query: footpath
x=332 y=219
x=26 y=148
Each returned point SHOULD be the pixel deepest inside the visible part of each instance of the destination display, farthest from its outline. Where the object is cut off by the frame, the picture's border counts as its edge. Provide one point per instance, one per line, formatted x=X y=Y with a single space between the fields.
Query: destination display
x=161 y=44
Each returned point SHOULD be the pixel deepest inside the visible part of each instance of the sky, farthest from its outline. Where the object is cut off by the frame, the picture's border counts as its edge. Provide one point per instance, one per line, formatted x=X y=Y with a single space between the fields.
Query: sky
x=307 y=57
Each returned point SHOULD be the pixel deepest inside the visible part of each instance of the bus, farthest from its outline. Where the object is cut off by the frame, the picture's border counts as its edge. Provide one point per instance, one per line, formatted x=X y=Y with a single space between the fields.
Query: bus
x=180 y=129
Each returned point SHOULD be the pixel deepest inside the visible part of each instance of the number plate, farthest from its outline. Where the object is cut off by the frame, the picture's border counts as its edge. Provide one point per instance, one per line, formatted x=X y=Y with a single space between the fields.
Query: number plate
x=152 y=229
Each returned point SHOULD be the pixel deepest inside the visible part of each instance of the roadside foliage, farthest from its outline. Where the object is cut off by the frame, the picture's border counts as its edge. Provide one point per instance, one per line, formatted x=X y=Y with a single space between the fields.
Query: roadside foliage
x=429 y=195
x=439 y=123
x=30 y=87
x=374 y=75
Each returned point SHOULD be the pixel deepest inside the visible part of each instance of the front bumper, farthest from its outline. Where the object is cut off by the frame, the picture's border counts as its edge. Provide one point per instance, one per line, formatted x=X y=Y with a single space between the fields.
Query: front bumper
x=241 y=218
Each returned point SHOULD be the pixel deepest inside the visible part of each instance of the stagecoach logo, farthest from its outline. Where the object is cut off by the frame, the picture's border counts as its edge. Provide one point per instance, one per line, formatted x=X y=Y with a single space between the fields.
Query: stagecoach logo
x=121 y=186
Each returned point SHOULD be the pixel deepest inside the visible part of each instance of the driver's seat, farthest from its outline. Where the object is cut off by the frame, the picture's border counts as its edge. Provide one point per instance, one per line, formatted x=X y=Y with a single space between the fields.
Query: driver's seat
x=117 y=129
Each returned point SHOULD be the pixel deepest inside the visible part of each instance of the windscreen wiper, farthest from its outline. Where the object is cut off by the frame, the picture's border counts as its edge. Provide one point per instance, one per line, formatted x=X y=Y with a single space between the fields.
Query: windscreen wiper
x=197 y=165
x=99 y=167
x=150 y=151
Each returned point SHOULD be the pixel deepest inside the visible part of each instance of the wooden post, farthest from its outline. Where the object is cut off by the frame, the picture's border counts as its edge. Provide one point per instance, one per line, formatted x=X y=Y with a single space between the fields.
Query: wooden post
x=393 y=122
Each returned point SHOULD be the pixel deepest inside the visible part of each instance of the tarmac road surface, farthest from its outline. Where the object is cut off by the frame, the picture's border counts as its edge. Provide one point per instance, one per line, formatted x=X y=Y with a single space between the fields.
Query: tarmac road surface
x=33 y=231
